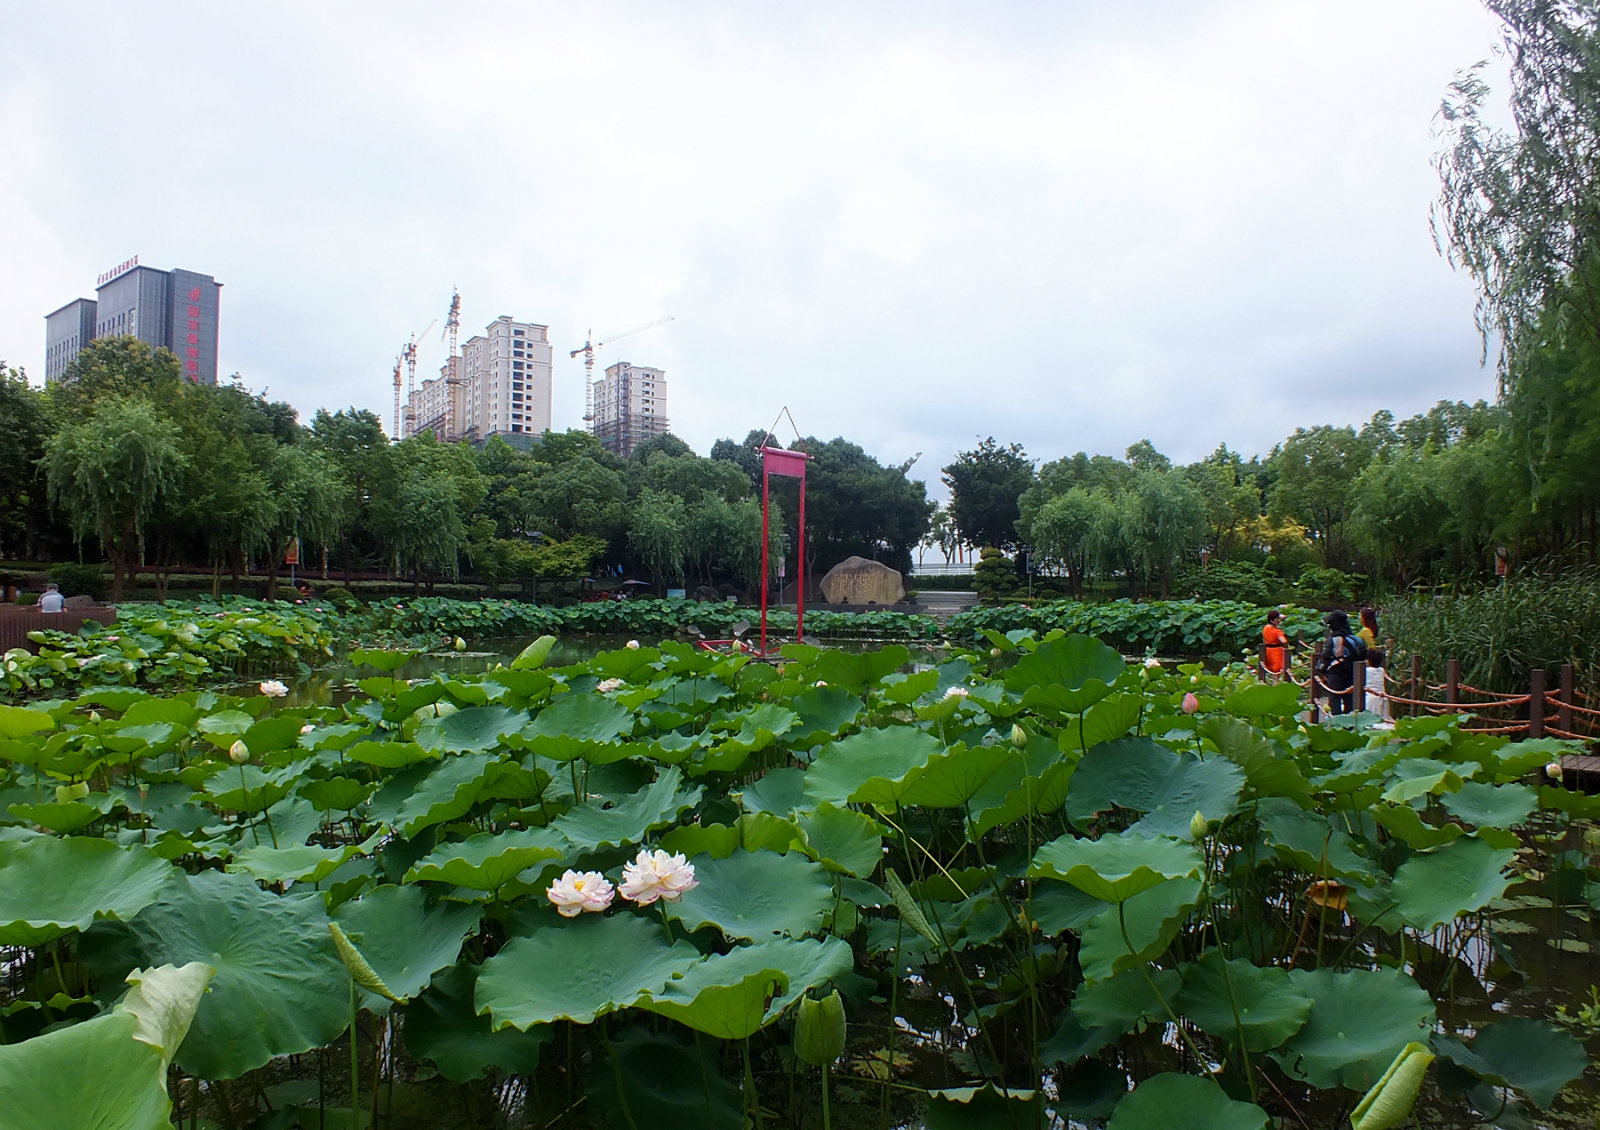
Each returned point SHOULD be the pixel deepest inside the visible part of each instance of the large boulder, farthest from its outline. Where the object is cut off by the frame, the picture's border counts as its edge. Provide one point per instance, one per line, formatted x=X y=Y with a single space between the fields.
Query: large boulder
x=855 y=580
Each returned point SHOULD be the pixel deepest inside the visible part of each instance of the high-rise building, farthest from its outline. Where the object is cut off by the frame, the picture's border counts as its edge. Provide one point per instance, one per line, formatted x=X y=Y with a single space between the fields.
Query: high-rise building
x=630 y=406
x=502 y=386
x=176 y=310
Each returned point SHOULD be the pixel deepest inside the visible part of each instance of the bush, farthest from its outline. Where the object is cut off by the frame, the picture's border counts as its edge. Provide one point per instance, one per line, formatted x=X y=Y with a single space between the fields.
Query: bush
x=1229 y=580
x=80 y=580
x=994 y=575
x=340 y=597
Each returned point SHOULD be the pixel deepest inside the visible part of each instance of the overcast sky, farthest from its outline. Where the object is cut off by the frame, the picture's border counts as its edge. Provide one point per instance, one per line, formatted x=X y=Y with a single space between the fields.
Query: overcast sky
x=1070 y=225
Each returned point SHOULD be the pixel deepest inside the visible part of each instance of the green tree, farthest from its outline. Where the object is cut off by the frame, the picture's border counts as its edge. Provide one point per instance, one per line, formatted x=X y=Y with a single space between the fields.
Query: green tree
x=985 y=485
x=658 y=534
x=1315 y=471
x=112 y=473
x=24 y=506
x=1163 y=519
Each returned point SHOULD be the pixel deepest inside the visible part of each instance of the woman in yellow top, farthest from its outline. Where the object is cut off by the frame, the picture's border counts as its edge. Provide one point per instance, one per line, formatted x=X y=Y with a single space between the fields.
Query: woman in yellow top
x=1368 y=633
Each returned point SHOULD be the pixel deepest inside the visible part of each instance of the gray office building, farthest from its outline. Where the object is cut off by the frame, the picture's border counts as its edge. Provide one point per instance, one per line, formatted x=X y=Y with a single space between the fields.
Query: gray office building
x=176 y=310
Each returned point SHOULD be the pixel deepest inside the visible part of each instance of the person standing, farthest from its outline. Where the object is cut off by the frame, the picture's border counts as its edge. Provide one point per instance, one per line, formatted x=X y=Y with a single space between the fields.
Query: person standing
x=1336 y=662
x=1274 y=647
x=52 y=600
x=1368 y=633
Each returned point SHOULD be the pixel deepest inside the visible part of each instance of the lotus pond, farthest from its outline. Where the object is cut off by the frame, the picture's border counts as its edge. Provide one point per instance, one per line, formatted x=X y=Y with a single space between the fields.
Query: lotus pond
x=1033 y=885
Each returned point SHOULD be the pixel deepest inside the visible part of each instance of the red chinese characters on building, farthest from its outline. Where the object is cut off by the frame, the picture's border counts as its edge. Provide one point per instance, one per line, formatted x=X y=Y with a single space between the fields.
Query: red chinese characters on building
x=191 y=363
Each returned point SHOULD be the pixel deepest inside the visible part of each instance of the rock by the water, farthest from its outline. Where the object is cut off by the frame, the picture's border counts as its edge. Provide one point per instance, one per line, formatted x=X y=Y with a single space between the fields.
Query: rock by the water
x=855 y=580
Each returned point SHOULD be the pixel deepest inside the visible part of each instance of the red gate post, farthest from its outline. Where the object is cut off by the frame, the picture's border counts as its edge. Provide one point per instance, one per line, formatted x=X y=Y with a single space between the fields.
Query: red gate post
x=1416 y=684
x=780 y=461
x=1452 y=681
x=1564 y=714
x=1536 y=704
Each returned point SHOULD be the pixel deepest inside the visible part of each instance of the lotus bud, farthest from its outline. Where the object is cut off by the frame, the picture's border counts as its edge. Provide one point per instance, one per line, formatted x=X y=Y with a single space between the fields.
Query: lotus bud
x=461 y=644
x=1019 y=736
x=994 y=653
x=1553 y=771
x=1195 y=679
x=632 y=645
x=1198 y=825
x=238 y=752
x=819 y=1030
x=1190 y=703
x=94 y=716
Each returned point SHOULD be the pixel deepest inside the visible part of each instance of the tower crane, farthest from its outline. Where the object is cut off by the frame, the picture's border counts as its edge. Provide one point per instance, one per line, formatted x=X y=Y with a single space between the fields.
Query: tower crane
x=409 y=354
x=588 y=349
x=453 y=378
x=394 y=434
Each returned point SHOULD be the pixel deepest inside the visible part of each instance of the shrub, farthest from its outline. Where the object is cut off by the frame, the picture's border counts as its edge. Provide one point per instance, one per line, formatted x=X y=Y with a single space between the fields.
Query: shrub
x=1229 y=580
x=994 y=575
x=340 y=597
x=80 y=580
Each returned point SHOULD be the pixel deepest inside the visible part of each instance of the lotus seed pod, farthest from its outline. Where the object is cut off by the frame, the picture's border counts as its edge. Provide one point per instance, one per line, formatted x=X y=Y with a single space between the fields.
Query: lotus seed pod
x=238 y=752
x=1198 y=825
x=819 y=1030
x=1019 y=736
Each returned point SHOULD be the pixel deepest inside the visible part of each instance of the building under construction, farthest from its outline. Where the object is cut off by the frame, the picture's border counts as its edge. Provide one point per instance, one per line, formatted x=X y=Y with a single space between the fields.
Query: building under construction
x=630 y=406
x=497 y=384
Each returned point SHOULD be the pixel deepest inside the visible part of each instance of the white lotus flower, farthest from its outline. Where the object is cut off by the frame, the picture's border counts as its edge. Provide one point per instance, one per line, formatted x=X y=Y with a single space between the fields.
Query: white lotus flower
x=606 y=686
x=957 y=692
x=579 y=891
x=632 y=645
x=274 y=689
x=822 y=682
x=1152 y=662
x=307 y=728
x=238 y=752
x=657 y=875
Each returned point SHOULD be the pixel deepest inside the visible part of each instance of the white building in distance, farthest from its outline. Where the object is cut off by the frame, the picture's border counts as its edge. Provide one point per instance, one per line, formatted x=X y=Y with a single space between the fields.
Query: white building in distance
x=501 y=386
x=630 y=406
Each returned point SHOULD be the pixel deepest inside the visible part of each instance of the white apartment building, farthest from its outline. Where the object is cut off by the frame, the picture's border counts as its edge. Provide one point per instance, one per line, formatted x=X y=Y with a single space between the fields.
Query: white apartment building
x=630 y=406
x=504 y=387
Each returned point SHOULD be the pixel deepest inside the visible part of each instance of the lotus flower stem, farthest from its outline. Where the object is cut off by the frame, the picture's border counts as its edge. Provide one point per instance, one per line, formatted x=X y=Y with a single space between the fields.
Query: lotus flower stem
x=355 y=1057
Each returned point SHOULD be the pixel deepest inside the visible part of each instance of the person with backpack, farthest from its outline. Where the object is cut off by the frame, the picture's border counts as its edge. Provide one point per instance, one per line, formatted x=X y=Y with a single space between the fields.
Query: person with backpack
x=1336 y=662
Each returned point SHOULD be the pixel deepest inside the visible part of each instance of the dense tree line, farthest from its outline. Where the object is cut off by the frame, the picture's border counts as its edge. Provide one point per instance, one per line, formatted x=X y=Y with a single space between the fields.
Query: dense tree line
x=126 y=458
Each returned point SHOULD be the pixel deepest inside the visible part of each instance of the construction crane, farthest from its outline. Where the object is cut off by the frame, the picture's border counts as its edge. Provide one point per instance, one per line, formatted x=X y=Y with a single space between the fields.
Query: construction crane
x=409 y=353
x=394 y=435
x=453 y=378
x=588 y=349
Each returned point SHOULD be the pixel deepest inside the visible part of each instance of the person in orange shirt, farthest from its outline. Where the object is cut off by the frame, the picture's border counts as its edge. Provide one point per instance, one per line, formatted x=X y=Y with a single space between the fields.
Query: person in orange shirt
x=1274 y=647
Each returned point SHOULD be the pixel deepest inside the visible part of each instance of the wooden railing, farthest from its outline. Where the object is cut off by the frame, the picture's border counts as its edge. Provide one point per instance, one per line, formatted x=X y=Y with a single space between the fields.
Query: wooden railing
x=16 y=621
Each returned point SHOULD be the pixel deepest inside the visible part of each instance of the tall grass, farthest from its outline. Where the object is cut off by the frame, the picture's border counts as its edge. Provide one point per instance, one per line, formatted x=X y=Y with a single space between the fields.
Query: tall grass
x=1502 y=634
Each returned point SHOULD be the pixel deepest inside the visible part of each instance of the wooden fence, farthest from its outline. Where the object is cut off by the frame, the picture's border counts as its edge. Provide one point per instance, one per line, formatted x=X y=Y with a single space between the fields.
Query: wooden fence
x=16 y=621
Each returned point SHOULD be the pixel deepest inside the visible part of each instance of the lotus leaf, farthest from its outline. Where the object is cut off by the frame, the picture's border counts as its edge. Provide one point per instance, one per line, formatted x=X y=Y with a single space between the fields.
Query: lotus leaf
x=843 y=840
x=108 y=1073
x=1115 y=868
x=659 y=1082
x=1242 y=1003
x=490 y=860
x=1436 y=887
x=1518 y=1052
x=305 y=863
x=441 y=1025
x=1311 y=841
x=855 y=671
x=1149 y=920
x=1360 y=1020
x=588 y=826
x=444 y=792
x=275 y=963
x=1492 y=806
x=733 y=995
x=953 y=777
x=1071 y=674
x=20 y=721
x=870 y=767
x=981 y=1108
x=755 y=894
x=780 y=792
x=405 y=940
x=578 y=969
x=389 y=661
x=1408 y=825
x=1071 y=1041
x=824 y=711
x=1168 y=788
x=1267 y=766
x=1036 y=782
x=1204 y=1106
x=579 y=725
x=752 y=831
x=1122 y=1001
x=49 y=886
x=472 y=730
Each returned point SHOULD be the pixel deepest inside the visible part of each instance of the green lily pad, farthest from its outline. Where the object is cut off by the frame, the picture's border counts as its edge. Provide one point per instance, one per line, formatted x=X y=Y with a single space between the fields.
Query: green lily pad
x=756 y=894
x=1114 y=868
x=824 y=711
x=1360 y=1020
x=1268 y=767
x=951 y=778
x=855 y=671
x=842 y=839
x=50 y=886
x=1432 y=888
x=441 y=1025
x=404 y=939
x=1242 y=1003
x=589 y=826
x=1492 y=806
x=733 y=995
x=1169 y=788
x=388 y=661
x=579 y=725
x=1070 y=674
x=870 y=767
x=1166 y=1100
x=473 y=730
x=1525 y=1054
x=275 y=964
x=657 y=1081
x=982 y=1108
x=578 y=969
x=19 y=721
x=1151 y=920
x=1120 y=1002
x=487 y=862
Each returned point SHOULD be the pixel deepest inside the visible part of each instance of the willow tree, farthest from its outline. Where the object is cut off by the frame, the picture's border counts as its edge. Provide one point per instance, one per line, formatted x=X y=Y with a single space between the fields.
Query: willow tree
x=113 y=474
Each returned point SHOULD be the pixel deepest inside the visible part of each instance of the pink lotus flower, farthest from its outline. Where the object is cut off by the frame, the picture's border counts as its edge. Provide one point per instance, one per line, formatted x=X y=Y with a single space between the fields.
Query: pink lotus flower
x=657 y=875
x=1190 y=703
x=578 y=892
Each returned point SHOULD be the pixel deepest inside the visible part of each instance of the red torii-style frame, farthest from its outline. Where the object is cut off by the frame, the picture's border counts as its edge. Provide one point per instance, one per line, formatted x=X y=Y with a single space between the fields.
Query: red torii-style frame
x=778 y=461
